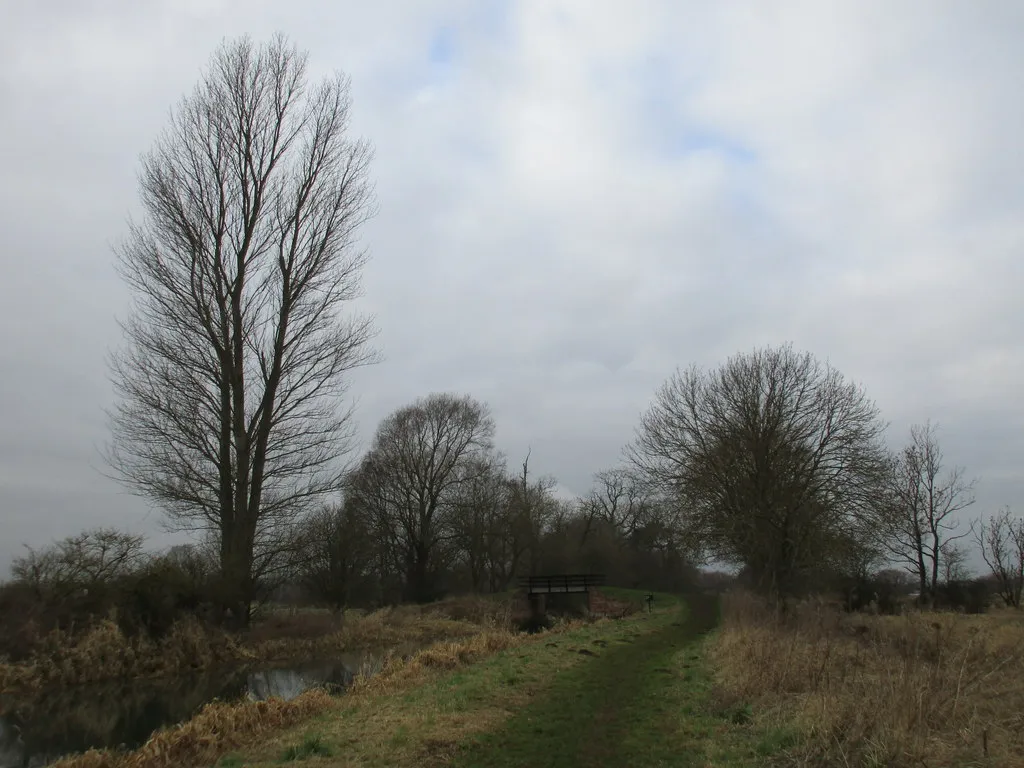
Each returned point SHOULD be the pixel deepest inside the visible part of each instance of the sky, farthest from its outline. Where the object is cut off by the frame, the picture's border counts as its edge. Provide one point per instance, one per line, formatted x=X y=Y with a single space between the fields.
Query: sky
x=575 y=198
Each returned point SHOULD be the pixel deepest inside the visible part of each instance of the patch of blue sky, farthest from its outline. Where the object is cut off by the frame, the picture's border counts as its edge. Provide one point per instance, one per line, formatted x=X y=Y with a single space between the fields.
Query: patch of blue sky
x=491 y=19
x=682 y=141
x=443 y=47
x=488 y=21
x=663 y=93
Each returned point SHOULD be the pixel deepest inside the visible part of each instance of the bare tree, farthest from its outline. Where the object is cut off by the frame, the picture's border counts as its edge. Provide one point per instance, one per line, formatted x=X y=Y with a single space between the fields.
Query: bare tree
x=773 y=461
x=89 y=559
x=230 y=388
x=620 y=498
x=335 y=554
x=481 y=521
x=421 y=455
x=925 y=501
x=1001 y=540
x=531 y=507
x=954 y=563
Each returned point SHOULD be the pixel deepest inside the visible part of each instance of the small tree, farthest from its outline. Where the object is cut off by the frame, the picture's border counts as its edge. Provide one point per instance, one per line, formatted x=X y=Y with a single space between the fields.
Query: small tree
x=925 y=499
x=230 y=413
x=1001 y=540
x=334 y=555
x=774 y=461
x=954 y=563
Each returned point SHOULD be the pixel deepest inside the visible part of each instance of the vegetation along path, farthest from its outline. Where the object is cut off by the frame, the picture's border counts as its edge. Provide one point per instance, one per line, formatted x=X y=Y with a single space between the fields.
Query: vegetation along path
x=628 y=706
x=623 y=693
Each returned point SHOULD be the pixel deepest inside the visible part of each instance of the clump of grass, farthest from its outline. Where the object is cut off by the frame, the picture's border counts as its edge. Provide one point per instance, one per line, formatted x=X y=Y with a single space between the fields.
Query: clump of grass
x=218 y=727
x=104 y=652
x=311 y=746
x=485 y=611
x=391 y=626
x=394 y=670
x=190 y=644
x=919 y=689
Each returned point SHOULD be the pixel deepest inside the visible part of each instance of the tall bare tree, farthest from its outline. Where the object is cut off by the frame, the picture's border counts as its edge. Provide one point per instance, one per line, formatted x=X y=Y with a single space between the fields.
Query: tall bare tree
x=925 y=501
x=1001 y=540
x=230 y=387
x=773 y=461
x=408 y=481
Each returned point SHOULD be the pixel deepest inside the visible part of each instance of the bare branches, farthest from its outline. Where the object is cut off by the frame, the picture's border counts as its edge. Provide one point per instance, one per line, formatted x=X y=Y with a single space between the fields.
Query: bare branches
x=773 y=459
x=92 y=557
x=1001 y=541
x=336 y=554
x=422 y=455
x=620 y=499
x=925 y=500
x=231 y=383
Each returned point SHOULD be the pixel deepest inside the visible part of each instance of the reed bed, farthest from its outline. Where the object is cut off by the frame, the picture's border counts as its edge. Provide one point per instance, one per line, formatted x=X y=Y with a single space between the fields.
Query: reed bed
x=104 y=652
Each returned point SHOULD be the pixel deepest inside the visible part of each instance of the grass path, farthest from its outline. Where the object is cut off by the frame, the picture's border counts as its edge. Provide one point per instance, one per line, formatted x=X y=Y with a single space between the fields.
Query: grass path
x=623 y=693
x=626 y=707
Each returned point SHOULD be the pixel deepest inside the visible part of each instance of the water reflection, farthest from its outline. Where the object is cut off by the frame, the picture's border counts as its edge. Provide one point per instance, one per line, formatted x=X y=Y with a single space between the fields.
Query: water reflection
x=36 y=731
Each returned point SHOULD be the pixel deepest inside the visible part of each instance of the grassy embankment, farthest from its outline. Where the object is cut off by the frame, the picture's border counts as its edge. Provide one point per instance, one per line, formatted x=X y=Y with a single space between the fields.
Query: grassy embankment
x=104 y=652
x=924 y=689
x=610 y=692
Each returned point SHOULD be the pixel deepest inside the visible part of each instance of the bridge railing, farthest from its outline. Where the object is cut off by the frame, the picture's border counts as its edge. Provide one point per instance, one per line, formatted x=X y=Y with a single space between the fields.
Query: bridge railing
x=575 y=582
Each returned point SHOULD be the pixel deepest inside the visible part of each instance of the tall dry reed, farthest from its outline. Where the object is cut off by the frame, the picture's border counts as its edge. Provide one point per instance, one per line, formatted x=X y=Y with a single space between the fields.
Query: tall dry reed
x=922 y=689
x=104 y=652
x=217 y=728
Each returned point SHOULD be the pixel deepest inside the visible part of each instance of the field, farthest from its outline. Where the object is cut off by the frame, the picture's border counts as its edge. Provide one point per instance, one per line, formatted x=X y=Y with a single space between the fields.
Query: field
x=922 y=689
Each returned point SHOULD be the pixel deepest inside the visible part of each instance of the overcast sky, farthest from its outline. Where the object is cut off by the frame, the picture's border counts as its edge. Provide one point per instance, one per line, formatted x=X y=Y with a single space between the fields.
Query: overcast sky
x=575 y=198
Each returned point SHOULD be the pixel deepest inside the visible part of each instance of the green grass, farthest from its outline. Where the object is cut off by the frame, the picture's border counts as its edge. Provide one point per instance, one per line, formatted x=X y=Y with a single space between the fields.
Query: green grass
x=632 y=692
x=642 y=700
x=311 y=746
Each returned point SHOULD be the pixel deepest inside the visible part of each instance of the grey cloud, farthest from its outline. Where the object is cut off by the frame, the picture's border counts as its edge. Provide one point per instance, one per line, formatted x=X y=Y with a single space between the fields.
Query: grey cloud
x=564 y=215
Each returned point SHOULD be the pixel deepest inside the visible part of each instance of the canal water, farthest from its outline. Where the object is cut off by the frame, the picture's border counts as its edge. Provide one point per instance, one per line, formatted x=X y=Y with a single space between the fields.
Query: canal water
x=36 y=731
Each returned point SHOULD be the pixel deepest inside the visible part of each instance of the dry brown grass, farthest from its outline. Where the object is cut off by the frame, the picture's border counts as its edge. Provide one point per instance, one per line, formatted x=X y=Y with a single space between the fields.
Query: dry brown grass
x=922 y=689
x=394 y=626
x=397 y=672
x=217 y=728
x=221 y=727
x=105 y=652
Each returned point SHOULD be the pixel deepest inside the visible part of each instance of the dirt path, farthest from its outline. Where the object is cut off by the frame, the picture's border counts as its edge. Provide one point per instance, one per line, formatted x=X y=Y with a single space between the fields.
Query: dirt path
x=623 y=708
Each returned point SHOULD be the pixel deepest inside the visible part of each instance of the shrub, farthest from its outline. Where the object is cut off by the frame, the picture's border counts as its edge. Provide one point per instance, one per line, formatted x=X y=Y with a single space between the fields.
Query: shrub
x=151 y=600
x=968 y=596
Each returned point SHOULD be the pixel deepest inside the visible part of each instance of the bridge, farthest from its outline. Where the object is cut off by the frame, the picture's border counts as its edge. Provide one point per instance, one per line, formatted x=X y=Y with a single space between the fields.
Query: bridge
x=547 y=585
x=537 y=587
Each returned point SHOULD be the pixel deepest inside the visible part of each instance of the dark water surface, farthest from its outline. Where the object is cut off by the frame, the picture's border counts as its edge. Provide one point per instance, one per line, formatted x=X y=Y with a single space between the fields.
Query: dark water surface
x=36 y=731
